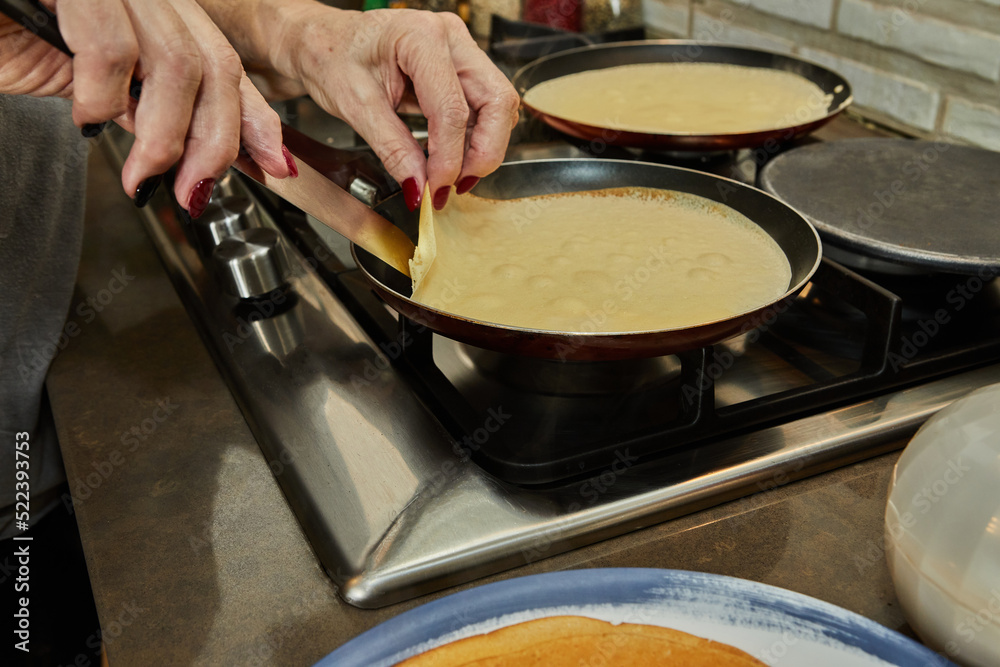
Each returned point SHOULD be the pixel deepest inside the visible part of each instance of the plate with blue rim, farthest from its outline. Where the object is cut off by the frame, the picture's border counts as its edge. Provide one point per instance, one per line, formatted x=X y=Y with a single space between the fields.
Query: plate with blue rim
x=776 y=626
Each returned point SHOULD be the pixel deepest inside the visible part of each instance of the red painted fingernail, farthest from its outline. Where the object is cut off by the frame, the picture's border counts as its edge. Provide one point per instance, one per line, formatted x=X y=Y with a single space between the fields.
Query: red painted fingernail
x=411 y=194
x=200 y=194
x=466 y=184
x=290 y=161
x=441 y=197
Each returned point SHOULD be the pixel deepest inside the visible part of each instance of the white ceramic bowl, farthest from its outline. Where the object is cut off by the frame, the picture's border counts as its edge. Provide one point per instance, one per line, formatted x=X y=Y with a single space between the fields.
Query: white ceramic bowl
x=942 y=526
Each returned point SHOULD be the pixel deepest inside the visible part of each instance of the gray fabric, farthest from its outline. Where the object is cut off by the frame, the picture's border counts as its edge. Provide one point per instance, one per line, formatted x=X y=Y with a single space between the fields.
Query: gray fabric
x=42 y=182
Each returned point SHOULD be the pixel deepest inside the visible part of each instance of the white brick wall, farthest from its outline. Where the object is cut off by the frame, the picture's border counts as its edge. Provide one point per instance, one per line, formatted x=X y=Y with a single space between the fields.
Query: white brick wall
x=715 y=29
x=928 y=67
x=975 y=123
x=911 y=101
x=811 y=12
x=954 y=46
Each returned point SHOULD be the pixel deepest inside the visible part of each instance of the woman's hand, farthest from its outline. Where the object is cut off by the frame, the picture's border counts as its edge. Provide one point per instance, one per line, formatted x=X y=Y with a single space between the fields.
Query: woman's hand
x=363 y=67
x=196 y=101
x=366 y=66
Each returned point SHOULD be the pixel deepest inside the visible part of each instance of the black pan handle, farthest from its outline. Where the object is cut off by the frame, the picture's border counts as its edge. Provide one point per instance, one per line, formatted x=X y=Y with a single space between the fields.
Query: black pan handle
x=358 y=171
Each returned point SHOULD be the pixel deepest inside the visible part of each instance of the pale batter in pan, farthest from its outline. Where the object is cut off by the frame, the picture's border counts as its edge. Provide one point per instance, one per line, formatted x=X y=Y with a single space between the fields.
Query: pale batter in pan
x=682 y=98
x=623 y=259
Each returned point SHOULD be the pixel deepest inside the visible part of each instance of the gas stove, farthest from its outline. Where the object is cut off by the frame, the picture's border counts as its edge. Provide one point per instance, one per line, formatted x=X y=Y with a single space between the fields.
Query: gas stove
x=414 y=462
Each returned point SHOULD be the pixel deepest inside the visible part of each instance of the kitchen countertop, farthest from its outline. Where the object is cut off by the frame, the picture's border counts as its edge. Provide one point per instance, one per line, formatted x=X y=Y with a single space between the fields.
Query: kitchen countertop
x=195 y=556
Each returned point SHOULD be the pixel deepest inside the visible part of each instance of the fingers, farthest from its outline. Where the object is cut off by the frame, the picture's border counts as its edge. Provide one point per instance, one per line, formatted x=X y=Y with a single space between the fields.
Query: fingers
x=373 y=117
x=359 y=67
x=100 y=33
x=195 y=103
x=29 y=66
x=260 y=130
x=172 y=68
x=470 y=106
x=494 y=104
x=196 y=100
x=213 y=136
x=425 y=56
x=212 y=140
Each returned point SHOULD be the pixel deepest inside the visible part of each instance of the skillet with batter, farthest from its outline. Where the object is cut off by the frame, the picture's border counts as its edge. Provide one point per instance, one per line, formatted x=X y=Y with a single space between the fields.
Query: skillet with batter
x=681 y=98
x=613 y=260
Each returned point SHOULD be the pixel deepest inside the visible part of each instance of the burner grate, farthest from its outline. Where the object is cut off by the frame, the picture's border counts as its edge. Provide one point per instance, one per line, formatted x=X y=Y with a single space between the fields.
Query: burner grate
x=563 y=437
x=846 y=337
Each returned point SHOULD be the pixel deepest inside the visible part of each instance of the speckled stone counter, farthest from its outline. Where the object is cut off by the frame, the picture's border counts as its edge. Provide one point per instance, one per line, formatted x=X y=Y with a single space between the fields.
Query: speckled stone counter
x=196 y=558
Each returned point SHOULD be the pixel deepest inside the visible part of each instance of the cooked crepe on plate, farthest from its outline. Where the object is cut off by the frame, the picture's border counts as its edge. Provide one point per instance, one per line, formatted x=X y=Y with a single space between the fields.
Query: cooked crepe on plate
x=570 y=641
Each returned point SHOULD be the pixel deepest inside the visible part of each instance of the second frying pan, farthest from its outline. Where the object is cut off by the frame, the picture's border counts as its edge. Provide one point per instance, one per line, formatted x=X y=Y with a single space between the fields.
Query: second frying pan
x=672 y=51
x=793 y=234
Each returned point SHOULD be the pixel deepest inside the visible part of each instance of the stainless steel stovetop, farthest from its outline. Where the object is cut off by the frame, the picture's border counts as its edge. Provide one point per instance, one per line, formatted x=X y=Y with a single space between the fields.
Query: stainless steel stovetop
x=415 y=463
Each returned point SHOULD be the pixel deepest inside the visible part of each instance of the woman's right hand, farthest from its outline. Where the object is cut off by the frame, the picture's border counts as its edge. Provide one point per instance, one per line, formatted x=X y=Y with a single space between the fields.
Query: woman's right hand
x=197 y=104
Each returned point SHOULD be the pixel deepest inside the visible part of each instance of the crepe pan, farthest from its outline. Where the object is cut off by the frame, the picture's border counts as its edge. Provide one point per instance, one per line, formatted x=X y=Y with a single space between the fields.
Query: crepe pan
x=793 y=234
x=678 y=51
x=896 y=206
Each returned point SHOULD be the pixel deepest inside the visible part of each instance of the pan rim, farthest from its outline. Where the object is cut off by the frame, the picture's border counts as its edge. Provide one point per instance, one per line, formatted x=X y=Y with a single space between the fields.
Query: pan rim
x=845 y=103
x=607 y=335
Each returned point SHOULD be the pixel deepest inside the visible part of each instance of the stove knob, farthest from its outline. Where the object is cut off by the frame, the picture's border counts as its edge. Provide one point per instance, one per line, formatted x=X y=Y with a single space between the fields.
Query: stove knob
x=226 y=185
x=252 y=262
x=222 y=219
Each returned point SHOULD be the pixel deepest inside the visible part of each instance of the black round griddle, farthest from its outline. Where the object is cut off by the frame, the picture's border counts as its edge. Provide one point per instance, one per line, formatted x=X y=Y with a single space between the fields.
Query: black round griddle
x=896 y=205
x=602 y=56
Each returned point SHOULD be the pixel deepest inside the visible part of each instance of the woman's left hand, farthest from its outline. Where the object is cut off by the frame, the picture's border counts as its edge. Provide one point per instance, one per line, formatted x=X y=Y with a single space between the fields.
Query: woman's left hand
x=365 y=66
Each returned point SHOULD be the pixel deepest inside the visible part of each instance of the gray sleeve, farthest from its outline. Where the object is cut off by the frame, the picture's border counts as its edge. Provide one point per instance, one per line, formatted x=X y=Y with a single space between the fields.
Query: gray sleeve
x=42 y=185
